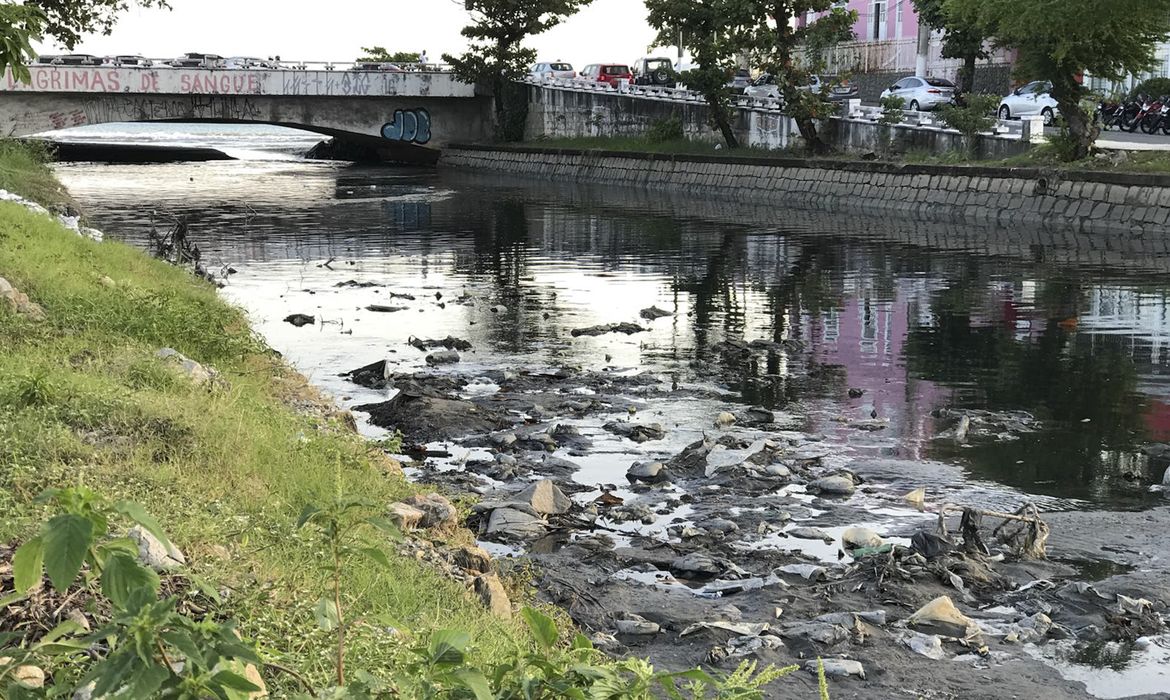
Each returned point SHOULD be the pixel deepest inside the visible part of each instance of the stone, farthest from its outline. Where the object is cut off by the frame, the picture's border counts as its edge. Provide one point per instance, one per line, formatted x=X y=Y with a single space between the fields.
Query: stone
x=546 y=498
x=860 y=538
x=648 y=472
x=834 y=485
x=472 y=558
x=809 y=533
x=778 y=470
x=19 y=302
x=724 y=420
x=654 y=312
x=153 y=553
x=200 y=375
x=849 y=619
x=940 y=616
x=515 y=524
x=404 y=516
x=627 y=328
x=638 y=432
x=824 y=633
x=437 y=510
x=928 y=645
x=836 y=668
x=812 y=572
x=1166 y=477
x=722 y=526
x=432 y=419
x=300 y=320
x=444 y=357
x=697 y=565
x=491 y=591
x=636 y=625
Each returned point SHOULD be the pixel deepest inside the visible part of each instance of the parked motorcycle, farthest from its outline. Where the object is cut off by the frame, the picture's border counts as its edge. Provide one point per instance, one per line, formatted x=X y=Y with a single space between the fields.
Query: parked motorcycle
x=1117 y=114
x=1156 y=117
x=1148 y=106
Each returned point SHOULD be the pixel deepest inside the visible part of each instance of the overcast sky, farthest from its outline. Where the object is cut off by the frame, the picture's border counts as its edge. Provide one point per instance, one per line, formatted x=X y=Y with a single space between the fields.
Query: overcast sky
x=607 y=30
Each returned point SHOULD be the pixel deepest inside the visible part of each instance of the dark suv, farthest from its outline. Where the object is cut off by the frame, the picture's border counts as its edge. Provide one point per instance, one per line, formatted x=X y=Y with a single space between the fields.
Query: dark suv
x=655 y=71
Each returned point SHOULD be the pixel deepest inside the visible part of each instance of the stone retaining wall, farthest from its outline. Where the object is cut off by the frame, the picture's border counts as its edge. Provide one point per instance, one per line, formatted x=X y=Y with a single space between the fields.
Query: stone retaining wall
x=1023 y=198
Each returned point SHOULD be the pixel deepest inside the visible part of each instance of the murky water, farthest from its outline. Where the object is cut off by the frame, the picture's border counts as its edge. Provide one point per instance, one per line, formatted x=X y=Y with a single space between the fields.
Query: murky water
x=921 y=318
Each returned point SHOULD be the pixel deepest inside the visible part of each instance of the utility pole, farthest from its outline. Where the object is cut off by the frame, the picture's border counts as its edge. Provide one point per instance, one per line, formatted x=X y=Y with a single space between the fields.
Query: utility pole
x=923 y=49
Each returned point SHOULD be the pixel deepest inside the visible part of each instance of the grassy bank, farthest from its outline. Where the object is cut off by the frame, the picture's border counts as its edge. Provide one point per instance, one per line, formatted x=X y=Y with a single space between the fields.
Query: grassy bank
x=85 y=400
x=24 y=170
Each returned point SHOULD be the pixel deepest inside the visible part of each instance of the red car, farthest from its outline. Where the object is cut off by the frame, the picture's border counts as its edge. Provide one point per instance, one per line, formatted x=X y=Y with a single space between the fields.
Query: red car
x=608 y=73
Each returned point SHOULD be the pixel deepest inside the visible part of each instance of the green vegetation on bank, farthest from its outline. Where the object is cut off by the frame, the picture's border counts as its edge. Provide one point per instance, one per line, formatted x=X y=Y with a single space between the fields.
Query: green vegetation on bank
x=24 y=171
x=254 y=478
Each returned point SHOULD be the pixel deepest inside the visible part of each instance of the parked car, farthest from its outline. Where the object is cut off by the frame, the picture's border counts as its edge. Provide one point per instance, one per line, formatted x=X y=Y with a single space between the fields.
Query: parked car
x=657 y=72
x=922 y=94
x=557 y=70
x=71 y=59
x=376 y=66
x=246 y=62
x=830 y=86
x=198 y=60
x=740 y=80
x=1033 y=98
x=609 y=73
x=128 y=61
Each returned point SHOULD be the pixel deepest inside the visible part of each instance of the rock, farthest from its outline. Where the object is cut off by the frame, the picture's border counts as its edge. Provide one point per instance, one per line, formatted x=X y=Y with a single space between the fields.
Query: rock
x=200 y=375
x=836 y=668
x=491 y=591
x=697 y=565
x=637 y=432
x=300 y=320
x=648 y=472
x=445 y=357
x=472 y=558
x=26 y=676
x=809 y=533
x=405 y=517
x=940 y=616
x=849 y=619
x=627 y=328
x=515 y=524
x=1166 y=477
x=812 y=572
x=636 y=625
x=755 y=415
x=437 y=510
x=928 y=645
x=637 y=512
x=19 y=302
x=856 y=393
x=834 y=485
x=546 y=498
x=654 y=312
x=823 y=633
x=719 y=525
x=778 y=470
x=373 y=376
x=153 y=553
x=724 y=420
x=431 y=419
x=498 y=309
x=380 y=309
x=860 y=538
x=450 y=343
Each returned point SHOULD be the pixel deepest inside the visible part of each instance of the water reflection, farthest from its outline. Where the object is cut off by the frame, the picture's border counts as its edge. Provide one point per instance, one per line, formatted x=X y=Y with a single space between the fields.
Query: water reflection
x=917 y=317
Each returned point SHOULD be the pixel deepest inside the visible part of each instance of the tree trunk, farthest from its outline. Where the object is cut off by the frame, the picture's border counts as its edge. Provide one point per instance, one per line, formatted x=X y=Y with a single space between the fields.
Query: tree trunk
x=719 y=117
x=968 y=73
x=1082 y=128
x=808 y=132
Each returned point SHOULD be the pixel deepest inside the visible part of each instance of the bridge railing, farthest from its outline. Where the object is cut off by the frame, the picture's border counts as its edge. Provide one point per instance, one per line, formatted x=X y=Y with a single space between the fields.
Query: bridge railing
x=263 y=64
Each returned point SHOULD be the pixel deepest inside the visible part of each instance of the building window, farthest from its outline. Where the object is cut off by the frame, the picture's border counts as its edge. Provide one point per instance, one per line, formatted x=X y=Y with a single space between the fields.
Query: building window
x=877 y=18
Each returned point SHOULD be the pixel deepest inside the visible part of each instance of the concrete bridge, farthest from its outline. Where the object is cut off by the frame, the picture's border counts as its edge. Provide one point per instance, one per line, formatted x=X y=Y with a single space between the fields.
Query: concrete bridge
x=399 y=115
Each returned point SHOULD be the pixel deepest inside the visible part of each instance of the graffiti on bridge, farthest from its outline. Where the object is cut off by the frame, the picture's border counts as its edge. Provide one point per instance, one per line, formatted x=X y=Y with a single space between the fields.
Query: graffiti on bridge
x=409 y=126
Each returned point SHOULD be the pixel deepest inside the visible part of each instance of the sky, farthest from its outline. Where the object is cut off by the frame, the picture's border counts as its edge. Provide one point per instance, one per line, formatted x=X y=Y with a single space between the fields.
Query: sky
x=605 y=31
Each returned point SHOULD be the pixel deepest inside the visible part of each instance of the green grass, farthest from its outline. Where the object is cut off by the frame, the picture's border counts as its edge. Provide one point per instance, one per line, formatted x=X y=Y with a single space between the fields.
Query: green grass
x=84 y=400
x=24 y=171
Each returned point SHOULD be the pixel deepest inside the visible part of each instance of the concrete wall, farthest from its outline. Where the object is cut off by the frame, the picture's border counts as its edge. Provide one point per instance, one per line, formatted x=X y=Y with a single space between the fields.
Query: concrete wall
x=433 y=121
x=1017 y=199
x=861 y=136
x=558 y=113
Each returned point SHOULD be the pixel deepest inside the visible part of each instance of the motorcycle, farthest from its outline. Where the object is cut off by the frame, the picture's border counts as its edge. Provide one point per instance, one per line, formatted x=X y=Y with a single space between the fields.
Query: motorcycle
x=1156 y=118
x=1147 y=106
x=1111 y=114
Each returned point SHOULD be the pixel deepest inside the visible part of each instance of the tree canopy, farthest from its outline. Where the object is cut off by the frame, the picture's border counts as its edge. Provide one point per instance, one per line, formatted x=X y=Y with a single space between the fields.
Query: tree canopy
x=67 y=20
x=1061 y=40
x=379 y=54
x=961 y=39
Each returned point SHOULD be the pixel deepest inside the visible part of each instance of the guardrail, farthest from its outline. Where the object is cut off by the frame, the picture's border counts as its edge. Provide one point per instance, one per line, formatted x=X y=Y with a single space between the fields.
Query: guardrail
x=1030 y=129
x=260 y=64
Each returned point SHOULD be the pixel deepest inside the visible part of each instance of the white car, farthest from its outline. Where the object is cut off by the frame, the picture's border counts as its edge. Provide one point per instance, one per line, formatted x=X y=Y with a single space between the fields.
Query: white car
x=556 y=70
x=922 y=94
x=1032 y=99
x=245 y=62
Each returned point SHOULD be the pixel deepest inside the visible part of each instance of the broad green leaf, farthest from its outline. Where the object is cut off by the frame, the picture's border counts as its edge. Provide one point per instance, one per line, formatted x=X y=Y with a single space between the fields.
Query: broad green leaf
x=376 y=555
x=145 y=681
x=327 y=615
x=66 y=627
x=475 y=682
x=234 y=681
x=306 y=514
x=64 y=647
x=204 y=586
x=123 y=576
x=139 y=515
x=387 y=526
x=67 y=539
x=27 y=564
x=448 y=646
x=696 y=674
x=581 y=642
x=542 y=626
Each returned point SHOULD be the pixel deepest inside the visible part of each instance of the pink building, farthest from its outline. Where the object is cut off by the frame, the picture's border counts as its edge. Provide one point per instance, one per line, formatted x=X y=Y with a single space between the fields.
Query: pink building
x=879 y=20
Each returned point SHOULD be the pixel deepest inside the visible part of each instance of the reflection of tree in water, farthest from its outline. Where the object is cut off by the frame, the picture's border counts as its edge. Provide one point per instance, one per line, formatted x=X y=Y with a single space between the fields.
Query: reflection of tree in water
x=1084 y=387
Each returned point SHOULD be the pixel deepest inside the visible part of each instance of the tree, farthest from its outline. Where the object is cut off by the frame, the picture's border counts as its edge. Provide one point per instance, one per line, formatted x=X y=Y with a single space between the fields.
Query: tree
x=960 y=39
x=1061 y=40
x=497 y=56
x=67 y=20
x=773 y=37
x=19 y=25
x=707 y=29
x=379 y=54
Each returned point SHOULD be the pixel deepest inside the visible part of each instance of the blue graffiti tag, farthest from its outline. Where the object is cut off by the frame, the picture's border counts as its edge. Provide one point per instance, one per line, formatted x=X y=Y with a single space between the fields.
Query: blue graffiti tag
x=409 y=125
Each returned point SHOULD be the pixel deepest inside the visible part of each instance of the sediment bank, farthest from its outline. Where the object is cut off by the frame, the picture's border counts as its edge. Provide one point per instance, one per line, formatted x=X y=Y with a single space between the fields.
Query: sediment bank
x=1023 y=198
